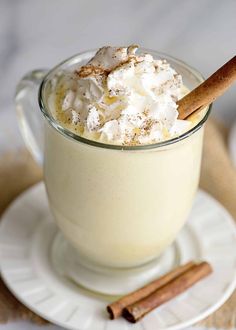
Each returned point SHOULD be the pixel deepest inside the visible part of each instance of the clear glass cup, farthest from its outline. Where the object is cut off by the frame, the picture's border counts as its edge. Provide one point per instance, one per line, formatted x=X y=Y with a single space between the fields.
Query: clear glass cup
x=118 y=206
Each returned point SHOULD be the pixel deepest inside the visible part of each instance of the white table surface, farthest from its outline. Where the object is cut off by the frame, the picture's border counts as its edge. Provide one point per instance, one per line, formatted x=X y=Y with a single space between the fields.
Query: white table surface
x=36 y=34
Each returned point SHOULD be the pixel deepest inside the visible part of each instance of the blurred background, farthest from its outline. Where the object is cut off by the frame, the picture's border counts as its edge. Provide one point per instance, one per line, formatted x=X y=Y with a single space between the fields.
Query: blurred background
x=39 y=34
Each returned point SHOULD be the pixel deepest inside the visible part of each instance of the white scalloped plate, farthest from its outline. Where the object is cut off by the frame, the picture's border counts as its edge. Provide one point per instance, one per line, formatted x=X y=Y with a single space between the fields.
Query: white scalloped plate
x=26 y=236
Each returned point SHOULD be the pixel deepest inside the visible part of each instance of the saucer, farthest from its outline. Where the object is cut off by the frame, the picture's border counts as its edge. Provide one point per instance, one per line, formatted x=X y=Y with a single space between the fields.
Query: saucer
x=27 y=237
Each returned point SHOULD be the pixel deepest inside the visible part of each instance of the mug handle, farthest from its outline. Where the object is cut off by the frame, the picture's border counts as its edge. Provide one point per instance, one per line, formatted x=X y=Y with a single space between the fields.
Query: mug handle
x=29 y=116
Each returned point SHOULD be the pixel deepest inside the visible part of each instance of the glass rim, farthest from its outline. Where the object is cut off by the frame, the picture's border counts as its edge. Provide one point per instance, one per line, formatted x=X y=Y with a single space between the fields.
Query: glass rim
x=69 y=134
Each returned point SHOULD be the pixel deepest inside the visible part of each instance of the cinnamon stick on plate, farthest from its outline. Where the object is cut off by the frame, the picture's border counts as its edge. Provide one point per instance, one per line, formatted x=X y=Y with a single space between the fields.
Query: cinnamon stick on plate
x=209 y=90
x=178 y=285
x=115 y=309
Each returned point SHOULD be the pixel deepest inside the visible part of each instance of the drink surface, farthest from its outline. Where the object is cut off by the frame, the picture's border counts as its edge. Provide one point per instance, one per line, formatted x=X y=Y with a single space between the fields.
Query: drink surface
x=121 y=97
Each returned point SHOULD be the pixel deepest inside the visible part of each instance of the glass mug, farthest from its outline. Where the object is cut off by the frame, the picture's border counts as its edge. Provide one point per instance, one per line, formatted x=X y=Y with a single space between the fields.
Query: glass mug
x=118 y=206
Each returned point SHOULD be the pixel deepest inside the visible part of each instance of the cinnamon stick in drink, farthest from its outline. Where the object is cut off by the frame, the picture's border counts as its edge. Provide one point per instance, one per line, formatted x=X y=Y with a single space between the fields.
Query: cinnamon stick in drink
x=209 y=90
x=115 y=309
x=136 y=311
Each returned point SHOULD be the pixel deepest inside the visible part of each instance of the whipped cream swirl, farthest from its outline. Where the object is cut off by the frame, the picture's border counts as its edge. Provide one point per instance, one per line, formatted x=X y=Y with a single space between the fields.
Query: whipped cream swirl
x=122 y=97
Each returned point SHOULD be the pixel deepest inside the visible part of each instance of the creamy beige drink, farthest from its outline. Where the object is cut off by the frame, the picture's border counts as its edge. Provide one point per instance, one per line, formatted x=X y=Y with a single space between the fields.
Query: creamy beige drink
x=120 y=192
